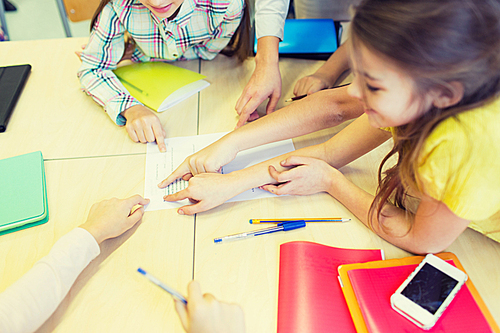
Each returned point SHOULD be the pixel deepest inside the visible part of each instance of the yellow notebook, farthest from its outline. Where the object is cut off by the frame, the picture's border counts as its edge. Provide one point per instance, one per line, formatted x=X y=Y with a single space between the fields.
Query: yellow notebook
x=159 y=85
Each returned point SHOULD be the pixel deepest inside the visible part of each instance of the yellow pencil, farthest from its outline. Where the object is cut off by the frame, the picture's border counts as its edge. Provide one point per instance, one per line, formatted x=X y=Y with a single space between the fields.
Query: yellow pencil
x=327 y=219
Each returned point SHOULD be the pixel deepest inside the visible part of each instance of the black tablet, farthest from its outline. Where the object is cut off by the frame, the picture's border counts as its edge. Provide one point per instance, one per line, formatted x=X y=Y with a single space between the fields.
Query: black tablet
x=12 y=80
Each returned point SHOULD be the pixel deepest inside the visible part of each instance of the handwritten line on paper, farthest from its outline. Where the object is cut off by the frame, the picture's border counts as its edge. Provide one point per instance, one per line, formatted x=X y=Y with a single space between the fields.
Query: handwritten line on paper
x=160 y=165
x=176 y=186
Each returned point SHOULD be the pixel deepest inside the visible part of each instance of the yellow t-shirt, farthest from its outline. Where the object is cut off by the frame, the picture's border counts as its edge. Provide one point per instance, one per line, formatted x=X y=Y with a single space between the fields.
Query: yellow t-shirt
x=459 y=165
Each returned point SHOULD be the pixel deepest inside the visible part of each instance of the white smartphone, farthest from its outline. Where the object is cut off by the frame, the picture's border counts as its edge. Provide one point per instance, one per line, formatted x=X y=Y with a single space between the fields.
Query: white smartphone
x=428 y=291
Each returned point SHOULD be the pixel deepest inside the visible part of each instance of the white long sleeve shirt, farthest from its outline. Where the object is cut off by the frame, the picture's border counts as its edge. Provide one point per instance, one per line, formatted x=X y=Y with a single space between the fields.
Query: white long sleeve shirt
x=270 y=17
x=30 y=301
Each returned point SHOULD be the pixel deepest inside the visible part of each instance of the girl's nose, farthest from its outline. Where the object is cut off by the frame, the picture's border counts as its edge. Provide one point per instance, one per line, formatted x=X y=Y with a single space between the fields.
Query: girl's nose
x=354 y=89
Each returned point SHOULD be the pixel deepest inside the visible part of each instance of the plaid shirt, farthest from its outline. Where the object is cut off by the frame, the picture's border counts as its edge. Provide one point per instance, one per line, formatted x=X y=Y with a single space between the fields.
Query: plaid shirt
x=201 y=29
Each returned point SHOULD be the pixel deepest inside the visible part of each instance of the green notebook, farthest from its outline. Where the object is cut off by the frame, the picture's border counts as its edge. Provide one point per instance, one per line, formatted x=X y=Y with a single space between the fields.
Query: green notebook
x=23 y=195
x=159 y=85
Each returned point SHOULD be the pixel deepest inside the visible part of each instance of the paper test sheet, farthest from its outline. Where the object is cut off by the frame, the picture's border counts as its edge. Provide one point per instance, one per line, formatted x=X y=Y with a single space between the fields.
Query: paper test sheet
x=160 y=165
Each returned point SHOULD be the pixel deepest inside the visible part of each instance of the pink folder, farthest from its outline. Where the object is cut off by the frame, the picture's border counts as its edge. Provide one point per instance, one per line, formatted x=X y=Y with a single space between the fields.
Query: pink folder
x=373 y=288
x=310 y=298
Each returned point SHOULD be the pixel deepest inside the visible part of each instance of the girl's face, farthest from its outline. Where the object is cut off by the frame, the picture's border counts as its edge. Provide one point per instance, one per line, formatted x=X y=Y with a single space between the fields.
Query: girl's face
x=385 y=91
x=162 y=9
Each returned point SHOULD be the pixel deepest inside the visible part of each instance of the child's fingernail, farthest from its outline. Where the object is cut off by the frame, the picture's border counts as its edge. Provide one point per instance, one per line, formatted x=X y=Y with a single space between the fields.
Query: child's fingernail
x=180 y=211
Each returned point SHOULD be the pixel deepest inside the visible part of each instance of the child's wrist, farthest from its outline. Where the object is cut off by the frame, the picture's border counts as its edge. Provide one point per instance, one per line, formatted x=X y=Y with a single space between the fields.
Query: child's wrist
x=94 y=232
x=266 y=60
x=126 y=113
x=336 y=180
x=132 y=111
x=241 y=180
x=267 y=51
x=326 y=76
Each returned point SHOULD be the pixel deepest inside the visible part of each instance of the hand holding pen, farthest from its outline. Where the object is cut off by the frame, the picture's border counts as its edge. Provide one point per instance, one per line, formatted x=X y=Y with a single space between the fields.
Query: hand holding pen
x=296 y=98
x=205 y=314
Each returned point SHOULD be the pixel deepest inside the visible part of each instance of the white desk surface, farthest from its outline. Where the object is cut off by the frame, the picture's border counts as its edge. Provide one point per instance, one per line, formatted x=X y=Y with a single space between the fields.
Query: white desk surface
x=53 y=114
x=110 y=296
x=229 y=77
x=250 y=266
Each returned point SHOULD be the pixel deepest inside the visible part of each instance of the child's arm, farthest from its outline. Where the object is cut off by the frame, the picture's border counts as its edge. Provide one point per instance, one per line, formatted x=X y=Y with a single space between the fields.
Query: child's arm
x=326 y=76
x=322 y=110
x=103 y=52
x=434 y=228
x=264 y=83
x=26 y=305
x=212 y=189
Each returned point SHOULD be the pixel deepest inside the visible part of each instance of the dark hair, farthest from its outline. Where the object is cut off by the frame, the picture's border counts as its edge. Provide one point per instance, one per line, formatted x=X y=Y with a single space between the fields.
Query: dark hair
x=239 y=44
x=436 y=42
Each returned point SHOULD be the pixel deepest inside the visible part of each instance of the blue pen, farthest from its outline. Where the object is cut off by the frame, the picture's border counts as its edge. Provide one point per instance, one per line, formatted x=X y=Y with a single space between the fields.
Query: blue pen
x=283 y=226
x=163 y=285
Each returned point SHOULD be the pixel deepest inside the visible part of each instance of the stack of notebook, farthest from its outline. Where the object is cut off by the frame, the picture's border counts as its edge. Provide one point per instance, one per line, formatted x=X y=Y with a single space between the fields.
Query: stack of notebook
x=327 y=289
x=23 y=194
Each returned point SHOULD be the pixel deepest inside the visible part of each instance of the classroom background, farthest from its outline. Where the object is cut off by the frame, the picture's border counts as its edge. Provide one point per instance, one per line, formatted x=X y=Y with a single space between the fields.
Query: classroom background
x=175 y=248
x=40 y=19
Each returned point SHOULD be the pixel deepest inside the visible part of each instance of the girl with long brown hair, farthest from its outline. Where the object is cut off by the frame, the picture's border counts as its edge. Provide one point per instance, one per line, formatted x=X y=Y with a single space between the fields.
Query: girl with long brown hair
x=156 y=30
x=426 y=73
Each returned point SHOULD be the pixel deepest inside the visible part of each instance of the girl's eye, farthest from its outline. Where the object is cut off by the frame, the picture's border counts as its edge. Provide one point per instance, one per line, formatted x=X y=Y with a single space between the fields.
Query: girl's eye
x=372 y=88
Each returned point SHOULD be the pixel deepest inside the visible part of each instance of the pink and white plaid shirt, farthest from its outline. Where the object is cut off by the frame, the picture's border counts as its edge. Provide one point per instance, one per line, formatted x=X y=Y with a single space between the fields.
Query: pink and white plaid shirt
x=201 y=29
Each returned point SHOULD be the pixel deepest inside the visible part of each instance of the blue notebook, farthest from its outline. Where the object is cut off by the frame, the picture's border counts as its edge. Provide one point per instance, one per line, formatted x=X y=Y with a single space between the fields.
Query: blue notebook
x=308 y=39
x=23 y=192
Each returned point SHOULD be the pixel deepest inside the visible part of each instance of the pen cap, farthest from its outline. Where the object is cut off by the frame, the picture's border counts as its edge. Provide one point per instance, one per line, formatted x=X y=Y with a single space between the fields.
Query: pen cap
x=290 y=225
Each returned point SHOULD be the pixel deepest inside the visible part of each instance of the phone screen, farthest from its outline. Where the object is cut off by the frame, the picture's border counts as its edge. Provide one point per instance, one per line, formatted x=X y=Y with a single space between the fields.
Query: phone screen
x=429 y=288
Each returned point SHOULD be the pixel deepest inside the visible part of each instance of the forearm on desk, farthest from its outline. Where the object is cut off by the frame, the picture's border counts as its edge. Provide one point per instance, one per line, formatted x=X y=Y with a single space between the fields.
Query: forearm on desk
x=105 y=88
x=30 y=301
x=258 y=175
x=430 y=230
x=324 y=109
x=354 y=141
x=99 y=58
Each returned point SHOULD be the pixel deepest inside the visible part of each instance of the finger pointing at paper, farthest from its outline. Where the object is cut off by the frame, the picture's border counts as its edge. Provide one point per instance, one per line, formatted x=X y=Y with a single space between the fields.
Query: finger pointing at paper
x=207 y=190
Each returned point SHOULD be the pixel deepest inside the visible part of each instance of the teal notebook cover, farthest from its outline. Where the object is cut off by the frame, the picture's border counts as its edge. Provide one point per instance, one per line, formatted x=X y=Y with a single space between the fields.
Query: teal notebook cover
x=23 y=195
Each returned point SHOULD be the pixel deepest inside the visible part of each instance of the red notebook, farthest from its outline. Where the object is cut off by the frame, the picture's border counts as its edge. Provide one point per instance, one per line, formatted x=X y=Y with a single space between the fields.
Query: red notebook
x=373 y=288
x=310 y=298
